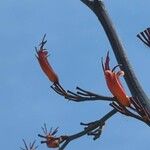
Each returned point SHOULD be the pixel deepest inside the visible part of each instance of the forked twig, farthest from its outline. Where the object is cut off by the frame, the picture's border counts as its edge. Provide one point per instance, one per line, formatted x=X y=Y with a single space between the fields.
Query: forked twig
x=141 y=110
x=80 y=95
x=137 y=111
x=125 y=111
x=93 y=129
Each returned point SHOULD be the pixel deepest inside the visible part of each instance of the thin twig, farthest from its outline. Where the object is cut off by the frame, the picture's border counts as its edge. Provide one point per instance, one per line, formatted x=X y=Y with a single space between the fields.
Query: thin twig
x=91 y=127
x=80 y=95
x=127 y=112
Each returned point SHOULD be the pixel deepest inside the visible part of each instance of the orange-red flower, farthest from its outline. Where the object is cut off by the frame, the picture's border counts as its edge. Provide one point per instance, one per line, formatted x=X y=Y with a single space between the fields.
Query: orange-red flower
x=50 y=139
x=114 y=84
x=42 y=55
x=52 y=142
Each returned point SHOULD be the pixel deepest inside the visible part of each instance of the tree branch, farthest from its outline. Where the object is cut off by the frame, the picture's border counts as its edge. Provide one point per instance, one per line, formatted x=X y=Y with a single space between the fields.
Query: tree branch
x=135 y=88
x=91 y=127
x=123 y=110
x=81 y=95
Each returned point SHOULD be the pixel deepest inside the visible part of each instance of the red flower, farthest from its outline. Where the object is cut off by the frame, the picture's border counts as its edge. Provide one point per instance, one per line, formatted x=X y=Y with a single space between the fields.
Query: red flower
x=52 y=142
x=42 y=55
x=114 y=84
x=50 y=139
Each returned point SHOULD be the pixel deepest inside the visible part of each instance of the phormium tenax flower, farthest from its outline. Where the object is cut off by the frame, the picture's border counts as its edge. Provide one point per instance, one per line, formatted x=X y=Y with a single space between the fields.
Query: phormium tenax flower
x=114 y=83
x=42 y=55
x=50 y=139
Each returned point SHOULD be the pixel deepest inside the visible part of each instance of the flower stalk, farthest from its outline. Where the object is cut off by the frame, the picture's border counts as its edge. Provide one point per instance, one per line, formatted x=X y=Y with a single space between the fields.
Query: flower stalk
x=97 y=6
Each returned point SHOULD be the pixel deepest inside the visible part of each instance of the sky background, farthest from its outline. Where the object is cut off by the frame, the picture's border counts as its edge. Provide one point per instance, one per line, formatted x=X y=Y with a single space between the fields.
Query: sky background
x=76 y=42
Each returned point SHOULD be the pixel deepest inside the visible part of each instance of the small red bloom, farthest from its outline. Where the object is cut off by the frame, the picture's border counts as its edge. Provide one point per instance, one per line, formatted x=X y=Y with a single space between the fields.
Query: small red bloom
x=42 y=55
x=50 y=139
x=114 y=84
x=52 y=142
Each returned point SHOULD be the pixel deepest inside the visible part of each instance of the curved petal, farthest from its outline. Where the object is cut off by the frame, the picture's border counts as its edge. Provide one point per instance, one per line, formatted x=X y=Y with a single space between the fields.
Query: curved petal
x=120 y=73
x=42 y=55
x=116 y=88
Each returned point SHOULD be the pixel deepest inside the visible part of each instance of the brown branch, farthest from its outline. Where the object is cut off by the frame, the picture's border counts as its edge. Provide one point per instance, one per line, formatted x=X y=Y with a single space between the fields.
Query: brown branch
x=80 y=95
x=138 y=112
x=141 y=110
x=135 y=88
x=90 y=127
x=125 y=111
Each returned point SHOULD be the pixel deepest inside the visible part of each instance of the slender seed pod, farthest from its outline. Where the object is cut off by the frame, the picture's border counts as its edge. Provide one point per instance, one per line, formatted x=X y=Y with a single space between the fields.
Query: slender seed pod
x=42 y=56
x=114 y=84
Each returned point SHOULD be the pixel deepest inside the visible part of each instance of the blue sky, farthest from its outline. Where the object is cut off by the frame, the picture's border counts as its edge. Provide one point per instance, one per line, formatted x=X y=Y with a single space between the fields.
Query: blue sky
x=76 y=42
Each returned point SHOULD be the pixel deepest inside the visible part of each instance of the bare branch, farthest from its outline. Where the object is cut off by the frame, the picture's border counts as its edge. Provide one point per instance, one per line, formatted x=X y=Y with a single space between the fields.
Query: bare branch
x=141 y=110
x=90 y=128
x=125 y=111
x=80 y=95
x=139 y=113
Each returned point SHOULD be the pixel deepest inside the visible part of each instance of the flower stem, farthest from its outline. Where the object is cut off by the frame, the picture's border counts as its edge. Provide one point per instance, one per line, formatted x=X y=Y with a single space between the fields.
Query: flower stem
x=134 y=86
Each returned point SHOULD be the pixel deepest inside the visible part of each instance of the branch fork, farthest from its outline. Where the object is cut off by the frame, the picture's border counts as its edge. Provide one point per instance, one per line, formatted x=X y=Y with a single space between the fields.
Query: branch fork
x=138 y=105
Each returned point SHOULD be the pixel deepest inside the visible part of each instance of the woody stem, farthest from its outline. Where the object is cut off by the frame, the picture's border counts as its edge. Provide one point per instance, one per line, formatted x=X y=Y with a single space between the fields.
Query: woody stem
x=97 y=6
x=88 y=129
